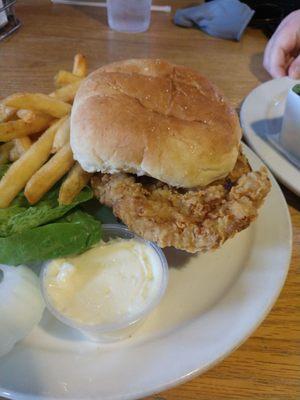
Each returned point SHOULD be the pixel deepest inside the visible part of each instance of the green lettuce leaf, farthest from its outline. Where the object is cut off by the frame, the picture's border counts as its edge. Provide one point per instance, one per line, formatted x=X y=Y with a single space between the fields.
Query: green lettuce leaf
x=70 y=235
x=20 y=216
x=99 y=211
x=296 y=89
x=3 y=169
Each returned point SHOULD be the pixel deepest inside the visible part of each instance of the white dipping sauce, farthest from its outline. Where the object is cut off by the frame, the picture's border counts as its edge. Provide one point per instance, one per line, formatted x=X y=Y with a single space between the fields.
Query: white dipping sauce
x=114 y=280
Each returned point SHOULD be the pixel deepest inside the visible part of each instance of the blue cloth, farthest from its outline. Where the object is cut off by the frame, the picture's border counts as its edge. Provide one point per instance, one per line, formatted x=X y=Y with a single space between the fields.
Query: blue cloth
x=225 y=19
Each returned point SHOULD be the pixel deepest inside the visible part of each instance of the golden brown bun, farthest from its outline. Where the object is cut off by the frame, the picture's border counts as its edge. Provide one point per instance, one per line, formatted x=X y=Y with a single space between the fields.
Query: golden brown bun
x=150 y=117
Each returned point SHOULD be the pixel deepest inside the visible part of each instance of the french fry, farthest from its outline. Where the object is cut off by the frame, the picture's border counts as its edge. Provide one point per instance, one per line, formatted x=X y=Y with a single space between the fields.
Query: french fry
x=22 y=170
x=63 y=78
x=14 y=155
x=80 y=66
x=62 y=136
x=6 y=113
x=29 y=115
x=22 y=144
x=5 y=151
x=75 y=181
x=19 y=128
x=49 y=174
x=26 y=115
x=38 y=102
x=66 y=93
x=19 y=147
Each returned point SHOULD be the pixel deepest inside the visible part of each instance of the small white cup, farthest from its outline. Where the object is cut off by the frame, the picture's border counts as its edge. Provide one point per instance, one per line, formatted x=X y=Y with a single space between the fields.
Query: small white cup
x=110 y=332
x=3 y=16
x=290 y=132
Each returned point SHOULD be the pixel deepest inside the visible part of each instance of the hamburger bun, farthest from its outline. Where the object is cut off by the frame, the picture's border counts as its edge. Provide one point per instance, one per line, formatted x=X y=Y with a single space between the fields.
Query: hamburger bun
x=150 y=117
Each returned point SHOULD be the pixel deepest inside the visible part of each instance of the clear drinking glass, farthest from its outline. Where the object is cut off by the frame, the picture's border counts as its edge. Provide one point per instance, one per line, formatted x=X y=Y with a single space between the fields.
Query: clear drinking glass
x=129 y=15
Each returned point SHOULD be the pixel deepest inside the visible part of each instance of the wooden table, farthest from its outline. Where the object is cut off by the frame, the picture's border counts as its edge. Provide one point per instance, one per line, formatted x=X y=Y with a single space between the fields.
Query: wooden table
x=267 y=366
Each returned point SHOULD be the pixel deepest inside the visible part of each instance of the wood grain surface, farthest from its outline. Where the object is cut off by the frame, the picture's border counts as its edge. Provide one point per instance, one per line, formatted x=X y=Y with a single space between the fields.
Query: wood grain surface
x=266 y=366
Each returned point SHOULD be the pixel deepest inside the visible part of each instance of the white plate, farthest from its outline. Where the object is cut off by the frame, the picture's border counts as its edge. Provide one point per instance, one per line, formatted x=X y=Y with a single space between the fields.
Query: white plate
x=213 y=303
x=261 y=114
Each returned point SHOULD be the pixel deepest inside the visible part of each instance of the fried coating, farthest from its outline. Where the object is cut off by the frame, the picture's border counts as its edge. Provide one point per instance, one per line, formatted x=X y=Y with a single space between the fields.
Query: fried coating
x=192 y=220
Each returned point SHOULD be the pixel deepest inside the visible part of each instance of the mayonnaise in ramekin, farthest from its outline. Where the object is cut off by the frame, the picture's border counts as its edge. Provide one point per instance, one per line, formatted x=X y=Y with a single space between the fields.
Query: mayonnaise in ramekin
x=111 y=285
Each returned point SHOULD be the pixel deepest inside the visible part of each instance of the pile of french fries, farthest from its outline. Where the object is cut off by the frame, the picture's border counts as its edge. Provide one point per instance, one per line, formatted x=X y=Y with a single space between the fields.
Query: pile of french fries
x=35 y=131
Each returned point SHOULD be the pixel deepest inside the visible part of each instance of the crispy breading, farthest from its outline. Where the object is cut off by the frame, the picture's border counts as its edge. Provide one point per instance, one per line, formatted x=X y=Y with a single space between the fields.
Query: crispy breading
x=191 y=220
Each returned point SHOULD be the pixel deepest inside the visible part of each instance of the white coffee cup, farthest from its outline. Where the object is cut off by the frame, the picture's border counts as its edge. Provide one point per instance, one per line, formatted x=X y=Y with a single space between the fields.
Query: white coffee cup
x=3 y=16
x=290 y=132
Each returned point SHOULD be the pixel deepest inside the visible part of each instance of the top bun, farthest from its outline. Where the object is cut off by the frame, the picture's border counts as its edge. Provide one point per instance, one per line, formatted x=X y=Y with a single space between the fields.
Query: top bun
x=150 y=117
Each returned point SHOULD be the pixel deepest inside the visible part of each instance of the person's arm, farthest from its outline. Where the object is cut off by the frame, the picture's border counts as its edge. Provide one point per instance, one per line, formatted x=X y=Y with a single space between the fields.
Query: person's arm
x=282 y=53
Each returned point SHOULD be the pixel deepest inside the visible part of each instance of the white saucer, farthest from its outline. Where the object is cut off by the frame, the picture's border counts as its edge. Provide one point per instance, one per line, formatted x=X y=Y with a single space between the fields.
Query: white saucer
x=213 y=302
x=261 y=115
